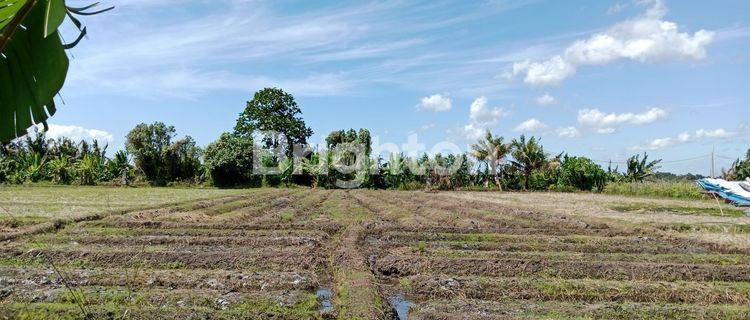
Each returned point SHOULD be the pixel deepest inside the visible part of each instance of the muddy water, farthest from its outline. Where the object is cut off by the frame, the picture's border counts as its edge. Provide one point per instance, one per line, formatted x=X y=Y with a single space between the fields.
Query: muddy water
x=324 y=296
x=401 y=306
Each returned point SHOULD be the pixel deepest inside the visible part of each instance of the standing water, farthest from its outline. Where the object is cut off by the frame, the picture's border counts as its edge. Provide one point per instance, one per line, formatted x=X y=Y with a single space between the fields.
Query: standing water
x=401 y=306
x=324 y=296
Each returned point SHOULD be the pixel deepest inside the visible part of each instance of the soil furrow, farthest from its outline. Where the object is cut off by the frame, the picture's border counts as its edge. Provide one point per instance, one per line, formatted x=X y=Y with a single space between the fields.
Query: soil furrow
x=618 y=270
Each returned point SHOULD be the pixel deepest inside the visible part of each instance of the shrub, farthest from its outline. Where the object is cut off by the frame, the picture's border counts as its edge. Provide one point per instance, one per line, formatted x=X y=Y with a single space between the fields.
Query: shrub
x=90 y=169
x=60 y=170
x=229 y=161
x=581 y=173
x=542 y=179
x=512 y=178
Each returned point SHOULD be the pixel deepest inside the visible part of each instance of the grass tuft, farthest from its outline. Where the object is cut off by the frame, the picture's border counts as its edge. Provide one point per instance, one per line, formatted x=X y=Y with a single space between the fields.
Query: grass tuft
x=680 y=190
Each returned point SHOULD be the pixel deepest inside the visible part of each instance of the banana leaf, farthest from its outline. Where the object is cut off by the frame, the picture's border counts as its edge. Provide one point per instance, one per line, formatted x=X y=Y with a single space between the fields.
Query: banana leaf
x=33 y=64
x=8 y=10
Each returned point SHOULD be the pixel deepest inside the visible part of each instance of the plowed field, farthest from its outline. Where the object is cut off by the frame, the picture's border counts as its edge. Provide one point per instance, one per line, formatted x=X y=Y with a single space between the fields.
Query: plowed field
x=365 y=254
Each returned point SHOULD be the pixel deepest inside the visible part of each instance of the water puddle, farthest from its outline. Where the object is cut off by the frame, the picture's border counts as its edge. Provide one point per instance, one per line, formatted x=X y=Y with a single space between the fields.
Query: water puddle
x=324 y=296
x=401 y=306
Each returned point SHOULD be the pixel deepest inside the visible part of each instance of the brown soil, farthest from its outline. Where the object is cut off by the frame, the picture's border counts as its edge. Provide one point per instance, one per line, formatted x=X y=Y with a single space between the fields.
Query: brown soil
x=454 y=255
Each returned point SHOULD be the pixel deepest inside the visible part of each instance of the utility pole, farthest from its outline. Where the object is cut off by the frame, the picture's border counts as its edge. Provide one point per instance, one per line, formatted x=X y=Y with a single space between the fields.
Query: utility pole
x=713 y=150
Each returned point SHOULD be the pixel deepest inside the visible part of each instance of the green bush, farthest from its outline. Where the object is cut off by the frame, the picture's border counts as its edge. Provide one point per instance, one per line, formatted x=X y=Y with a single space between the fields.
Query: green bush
x=581 y=173
x=60 y=170
x=563 y=188
x=229 y=161
x=512 y=178
x=90 y=169
x=542 y=179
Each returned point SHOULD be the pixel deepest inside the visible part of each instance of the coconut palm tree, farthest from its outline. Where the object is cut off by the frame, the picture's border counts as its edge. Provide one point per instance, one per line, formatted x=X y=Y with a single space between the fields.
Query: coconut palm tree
x=528 y=156
x=639 y=169
x=492 y=151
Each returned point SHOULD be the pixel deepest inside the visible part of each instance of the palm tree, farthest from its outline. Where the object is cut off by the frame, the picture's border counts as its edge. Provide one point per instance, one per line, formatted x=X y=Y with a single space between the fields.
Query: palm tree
x=639 y=169
x=528 y=156
x=119 y=166
x=492 y=151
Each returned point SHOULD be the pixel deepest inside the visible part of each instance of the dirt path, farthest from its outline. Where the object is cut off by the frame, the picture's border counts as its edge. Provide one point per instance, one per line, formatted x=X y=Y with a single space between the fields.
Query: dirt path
x=355 y=287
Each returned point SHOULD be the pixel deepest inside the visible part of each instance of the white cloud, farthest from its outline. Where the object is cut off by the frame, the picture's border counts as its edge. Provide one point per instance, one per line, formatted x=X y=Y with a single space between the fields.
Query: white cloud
x=545 y=100
x=659 y=143
x=161 y=53
x=568 y=132
x=77 y=133
x=610 y=123
x=481 y=118
x=712 y=134
x=616 y=8
x=191 y=54
x=480 y=113
x=192 y=83
x=646 y=38
x=435 y=102
x=685 y=137
x=531 y=126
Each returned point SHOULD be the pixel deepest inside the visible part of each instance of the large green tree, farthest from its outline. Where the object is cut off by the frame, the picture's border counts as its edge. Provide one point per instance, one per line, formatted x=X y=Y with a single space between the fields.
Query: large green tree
x=351 y=149
x=33 y=63
x=147 y=143
x=273 y=110
x=160 y=159
x=528 y=156
x=361 y=137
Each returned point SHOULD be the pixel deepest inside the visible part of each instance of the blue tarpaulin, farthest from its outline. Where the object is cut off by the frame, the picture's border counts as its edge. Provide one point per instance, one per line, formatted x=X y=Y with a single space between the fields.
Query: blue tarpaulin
x=734 y=192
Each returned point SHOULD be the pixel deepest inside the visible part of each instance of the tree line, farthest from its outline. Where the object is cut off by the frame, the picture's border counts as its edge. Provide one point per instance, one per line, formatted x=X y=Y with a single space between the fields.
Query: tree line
x=273 y=121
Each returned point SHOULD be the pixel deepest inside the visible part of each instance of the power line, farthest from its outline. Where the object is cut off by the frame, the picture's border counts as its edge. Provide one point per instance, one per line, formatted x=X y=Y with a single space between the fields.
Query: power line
x=726 y=158
x=669 y=161
x=687 y=159
x=608 y=161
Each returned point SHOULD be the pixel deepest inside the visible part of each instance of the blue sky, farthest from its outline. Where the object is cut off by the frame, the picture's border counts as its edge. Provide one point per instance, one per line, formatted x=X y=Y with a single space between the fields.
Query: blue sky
x=604 y=79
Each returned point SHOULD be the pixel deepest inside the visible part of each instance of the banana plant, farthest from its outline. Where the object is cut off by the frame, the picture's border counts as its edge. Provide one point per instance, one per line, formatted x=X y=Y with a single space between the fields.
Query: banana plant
x=33 y=63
